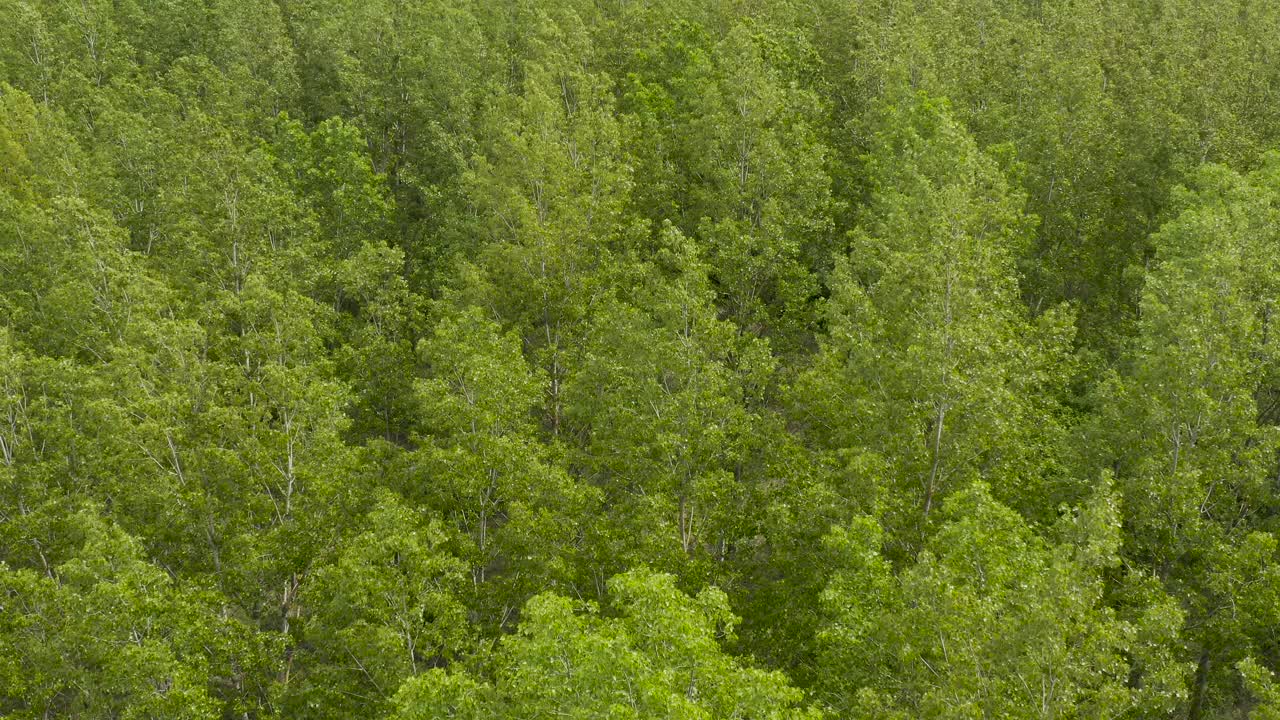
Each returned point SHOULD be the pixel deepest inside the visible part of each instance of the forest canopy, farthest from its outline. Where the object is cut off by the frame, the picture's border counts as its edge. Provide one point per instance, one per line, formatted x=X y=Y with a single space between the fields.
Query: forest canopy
x=410 y=359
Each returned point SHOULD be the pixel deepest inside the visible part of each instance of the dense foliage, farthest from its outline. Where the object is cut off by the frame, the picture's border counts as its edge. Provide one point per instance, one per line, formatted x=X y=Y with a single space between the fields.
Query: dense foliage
x=639 y=359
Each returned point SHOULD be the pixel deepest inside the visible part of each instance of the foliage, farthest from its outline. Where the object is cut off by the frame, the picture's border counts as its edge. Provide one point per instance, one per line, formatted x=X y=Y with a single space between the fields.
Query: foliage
x=472 y=359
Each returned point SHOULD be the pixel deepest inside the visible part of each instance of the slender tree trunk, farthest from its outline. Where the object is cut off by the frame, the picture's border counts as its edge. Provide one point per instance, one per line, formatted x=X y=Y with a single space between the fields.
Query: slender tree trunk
x=1196 y=709
x=937 y=458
